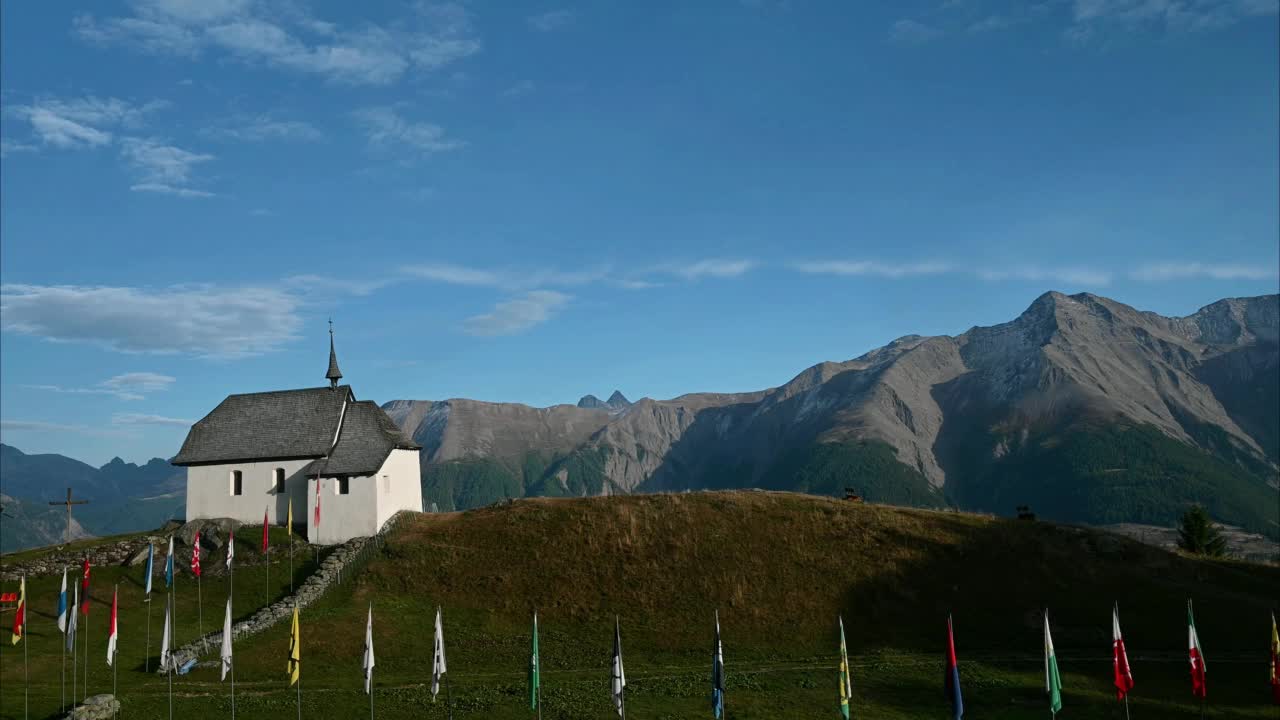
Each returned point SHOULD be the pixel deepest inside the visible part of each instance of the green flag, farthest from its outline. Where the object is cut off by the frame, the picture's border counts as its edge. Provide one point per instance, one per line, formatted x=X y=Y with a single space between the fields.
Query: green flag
x=1052 y=681
x=535 y=669
x=845 y=689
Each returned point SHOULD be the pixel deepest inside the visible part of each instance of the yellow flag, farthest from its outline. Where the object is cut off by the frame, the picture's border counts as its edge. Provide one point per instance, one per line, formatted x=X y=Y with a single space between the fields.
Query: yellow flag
x=295 y=650
x=289 y=522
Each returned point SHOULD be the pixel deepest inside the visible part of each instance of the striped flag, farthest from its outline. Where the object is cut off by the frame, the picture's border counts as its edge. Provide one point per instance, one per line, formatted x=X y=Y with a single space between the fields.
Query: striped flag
x=535 y=667
x=151 y=551
x=1119 y=658
x=618 y=681
x=952 y=678
x=62 y=603
x=225 y=656
x=165 y=658
x=438 y=668
x=20 y=615
x=846 y=685
x=1052 y=680
x=1198 y=688
x=195 y=555
x=71 y=620
x=112 y=632
x=84 y=590
x=368 y=652
x=168 y=565
x=295 y=650
x=717 y=673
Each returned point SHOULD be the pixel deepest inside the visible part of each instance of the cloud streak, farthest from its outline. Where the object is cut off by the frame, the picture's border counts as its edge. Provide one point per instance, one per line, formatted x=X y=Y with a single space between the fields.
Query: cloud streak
x=288 y=38
x=872 y=268
x=163 y=168
x=145 y=419
x=1156 y=272
x=200 y=320
x=385 y=128
x=128 y=386
x=517 y=315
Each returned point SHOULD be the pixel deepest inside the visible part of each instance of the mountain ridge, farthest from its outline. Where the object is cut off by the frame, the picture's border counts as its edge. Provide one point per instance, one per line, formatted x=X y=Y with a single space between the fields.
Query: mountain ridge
x=945 y=408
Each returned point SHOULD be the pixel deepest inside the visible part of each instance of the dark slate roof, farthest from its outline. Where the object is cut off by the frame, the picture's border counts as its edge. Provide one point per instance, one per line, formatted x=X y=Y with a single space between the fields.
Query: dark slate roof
x=334 y=373
x=368 y=436
x=260 y=426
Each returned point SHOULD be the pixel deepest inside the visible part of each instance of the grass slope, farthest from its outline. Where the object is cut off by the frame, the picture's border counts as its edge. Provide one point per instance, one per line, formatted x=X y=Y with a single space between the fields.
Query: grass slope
x=779 y=568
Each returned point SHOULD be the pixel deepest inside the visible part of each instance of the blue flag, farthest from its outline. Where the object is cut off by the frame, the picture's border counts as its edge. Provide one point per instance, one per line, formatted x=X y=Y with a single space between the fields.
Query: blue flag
x=952 y=679
x=717 y=674
x=168 y=565
x=62 y=603
x=151 y=551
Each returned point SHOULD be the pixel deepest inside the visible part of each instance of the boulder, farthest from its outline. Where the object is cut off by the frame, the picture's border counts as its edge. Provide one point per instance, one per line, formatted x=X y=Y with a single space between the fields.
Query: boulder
x=187 y=533
x=96 y=707
x=137 y=558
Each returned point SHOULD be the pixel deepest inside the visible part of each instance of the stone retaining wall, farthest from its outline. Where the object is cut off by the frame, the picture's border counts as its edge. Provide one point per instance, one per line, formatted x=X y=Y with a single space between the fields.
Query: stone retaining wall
x=341 y=565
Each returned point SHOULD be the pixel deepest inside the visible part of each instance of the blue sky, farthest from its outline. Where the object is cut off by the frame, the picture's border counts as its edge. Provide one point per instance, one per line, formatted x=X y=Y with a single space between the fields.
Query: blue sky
x=531 y=201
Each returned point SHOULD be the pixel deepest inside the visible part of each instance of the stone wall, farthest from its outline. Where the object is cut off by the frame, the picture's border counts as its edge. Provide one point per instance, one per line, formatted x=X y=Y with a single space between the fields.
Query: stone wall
x=340 y=566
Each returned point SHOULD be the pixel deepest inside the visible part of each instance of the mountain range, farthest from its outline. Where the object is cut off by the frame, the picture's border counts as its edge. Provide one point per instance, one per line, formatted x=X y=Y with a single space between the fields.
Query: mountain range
x=1082 y=408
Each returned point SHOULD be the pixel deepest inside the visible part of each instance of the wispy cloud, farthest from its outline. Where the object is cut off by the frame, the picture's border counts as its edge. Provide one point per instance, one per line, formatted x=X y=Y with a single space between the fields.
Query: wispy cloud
x=1214 y=271
x=163 y=168
x=1092 y=17
x=711 y=267
x=505 y=278
x=520 y=89
x=11 y=147
x=145 y=419
x=551 y=20
x=912 y=32
x=128 y=386
x=52 y=427
x=386 y=128
x=899 y=270
x=86 y=122
x=456 y=274
x=262 y=128
x=287 y=37
x=990 y=23
x=869 y=267
x=517 y=315
x=199 y=320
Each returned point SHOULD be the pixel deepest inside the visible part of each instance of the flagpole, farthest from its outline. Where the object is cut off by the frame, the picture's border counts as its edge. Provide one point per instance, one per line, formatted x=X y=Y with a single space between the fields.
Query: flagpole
x=173 y=603
x=147 y=660
x=233 y=661
x=62 y=704
x=115 y=662
x=299 y=683
x=1126 y=706
x=75 y=658
x=26 y=681
x=86 y=645
x=200 y=604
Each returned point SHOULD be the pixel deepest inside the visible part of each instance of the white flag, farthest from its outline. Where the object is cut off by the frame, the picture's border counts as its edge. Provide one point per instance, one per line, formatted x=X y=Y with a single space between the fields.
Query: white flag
x=619 y=679
x=226 y=641
x=62 y=603
x=437 y=661
x=231 y=548
x=368 y=651
x=164 y=641
x=113 y=632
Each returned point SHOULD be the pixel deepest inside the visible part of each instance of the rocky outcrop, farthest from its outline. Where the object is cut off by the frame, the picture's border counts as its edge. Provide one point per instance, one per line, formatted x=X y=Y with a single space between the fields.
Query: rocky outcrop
x=96 y=707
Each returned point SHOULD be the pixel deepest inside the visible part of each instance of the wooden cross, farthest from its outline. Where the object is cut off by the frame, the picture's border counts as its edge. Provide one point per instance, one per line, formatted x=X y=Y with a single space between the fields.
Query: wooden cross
x=69 y=503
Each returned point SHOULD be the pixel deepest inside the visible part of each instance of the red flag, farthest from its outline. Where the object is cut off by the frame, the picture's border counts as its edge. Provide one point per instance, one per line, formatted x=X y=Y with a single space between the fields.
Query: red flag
x=195 y=555
x=264 y=532
x=1119 y=658
x=20 y=617
x=112 y=635
x=1198 y=687
x=317 y=521
x=84 y=589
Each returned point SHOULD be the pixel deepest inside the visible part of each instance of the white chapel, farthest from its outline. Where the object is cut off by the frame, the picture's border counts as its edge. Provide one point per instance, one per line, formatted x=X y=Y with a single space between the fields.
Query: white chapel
x=343 y=463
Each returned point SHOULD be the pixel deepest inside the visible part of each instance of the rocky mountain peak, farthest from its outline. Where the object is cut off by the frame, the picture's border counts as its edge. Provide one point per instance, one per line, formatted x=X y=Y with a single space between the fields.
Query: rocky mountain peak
x=618 y=400
x=591 y=402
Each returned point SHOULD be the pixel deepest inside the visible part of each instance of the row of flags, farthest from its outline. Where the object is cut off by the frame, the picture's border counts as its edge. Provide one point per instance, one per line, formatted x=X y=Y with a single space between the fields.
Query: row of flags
x=1123 y=674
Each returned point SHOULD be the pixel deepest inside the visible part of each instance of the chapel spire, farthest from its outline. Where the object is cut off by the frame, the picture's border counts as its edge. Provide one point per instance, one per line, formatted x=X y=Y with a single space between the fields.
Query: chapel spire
x=334 y=374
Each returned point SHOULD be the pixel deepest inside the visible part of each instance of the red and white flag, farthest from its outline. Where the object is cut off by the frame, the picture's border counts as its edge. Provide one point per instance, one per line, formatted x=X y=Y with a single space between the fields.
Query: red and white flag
x=84 y=588
x=317 y=521
x=1119 y=658
x=111 y=635
x=195 y=555
x=1197 y=656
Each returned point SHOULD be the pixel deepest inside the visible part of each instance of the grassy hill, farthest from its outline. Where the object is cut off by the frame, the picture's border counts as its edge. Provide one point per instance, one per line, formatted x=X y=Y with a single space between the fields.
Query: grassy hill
x=779 y=568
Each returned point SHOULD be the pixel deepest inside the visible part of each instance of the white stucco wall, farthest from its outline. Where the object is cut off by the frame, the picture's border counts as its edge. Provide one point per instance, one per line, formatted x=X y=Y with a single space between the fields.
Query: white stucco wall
x=399 y=484
x=209 y=492
x=342 y=517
